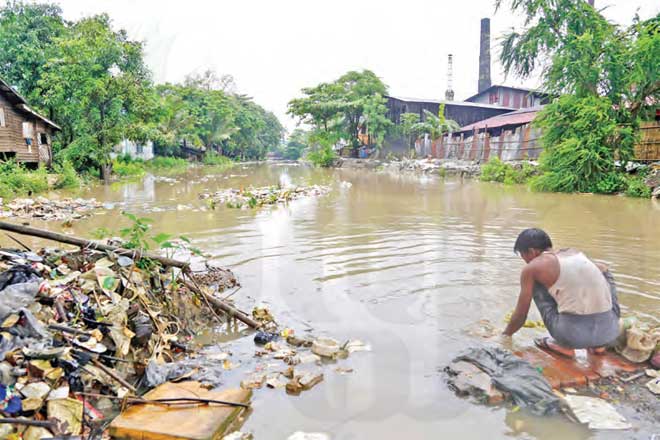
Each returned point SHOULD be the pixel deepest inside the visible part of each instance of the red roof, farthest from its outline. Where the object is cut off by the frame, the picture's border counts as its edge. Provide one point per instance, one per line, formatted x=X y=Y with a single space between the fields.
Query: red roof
x=517 y=118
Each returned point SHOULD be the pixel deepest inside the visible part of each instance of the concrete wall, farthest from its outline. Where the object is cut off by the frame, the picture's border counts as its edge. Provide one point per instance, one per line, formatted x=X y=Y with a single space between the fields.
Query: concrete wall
x=135 y=150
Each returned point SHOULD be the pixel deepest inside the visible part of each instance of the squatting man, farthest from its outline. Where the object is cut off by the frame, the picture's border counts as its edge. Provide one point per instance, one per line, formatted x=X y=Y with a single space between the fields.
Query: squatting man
x=576 y=297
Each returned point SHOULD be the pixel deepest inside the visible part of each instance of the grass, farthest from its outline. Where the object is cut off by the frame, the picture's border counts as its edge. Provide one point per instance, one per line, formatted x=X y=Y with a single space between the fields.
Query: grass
x=16 y=180
x=167 y=163
x=132 y=168
x=68 y=177
x=637 y=188
x=215 y=159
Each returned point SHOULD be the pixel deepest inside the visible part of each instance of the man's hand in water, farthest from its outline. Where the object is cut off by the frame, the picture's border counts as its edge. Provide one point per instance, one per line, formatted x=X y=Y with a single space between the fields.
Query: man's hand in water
x=506 y=341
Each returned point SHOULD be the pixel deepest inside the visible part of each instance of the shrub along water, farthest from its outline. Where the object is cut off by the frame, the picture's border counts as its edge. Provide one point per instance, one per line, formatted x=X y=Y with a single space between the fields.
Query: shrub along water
x=215 y=159
x=497 y=171
x=16 y=180
x=612 y=183
x=168 y=163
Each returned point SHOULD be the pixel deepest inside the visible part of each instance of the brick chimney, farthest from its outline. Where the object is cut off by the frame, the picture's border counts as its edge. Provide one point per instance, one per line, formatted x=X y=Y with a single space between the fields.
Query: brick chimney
x=484 y=56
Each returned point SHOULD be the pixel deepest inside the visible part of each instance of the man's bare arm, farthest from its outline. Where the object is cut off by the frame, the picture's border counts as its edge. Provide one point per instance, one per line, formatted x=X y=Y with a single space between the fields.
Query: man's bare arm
x=519 y=315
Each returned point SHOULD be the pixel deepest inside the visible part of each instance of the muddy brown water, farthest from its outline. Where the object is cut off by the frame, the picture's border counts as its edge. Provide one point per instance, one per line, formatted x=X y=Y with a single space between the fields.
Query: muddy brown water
x=406 y=263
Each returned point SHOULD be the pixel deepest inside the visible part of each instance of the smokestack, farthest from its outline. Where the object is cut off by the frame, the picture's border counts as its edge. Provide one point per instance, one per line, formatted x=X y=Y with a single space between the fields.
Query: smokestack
x=449 y=93
x=484 y=56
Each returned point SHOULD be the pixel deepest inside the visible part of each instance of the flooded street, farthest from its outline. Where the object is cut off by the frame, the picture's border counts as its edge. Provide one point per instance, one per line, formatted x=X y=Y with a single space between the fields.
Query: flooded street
x=406 y=263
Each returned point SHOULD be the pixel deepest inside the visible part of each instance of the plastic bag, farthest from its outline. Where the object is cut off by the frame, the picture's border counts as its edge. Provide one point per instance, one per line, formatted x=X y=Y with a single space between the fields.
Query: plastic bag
x=17 y=296
x=516 y=377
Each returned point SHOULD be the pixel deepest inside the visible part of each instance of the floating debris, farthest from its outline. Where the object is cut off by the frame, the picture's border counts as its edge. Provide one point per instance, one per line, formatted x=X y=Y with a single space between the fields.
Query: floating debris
x=596 y=413
x=51 y=209
x=258 y=197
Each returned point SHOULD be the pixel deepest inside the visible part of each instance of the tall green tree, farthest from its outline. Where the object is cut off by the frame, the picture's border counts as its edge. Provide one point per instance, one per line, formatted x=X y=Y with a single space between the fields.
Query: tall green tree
x=201 y=113
x=610 y=73
x=28 y=32
x=98 y=86
x=342 y=107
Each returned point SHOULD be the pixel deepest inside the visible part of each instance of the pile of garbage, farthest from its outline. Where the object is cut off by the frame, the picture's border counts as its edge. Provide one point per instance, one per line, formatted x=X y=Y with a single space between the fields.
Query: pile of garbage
x=258 y=197
x=430 y=166
x=82 y=331
x=50 y=209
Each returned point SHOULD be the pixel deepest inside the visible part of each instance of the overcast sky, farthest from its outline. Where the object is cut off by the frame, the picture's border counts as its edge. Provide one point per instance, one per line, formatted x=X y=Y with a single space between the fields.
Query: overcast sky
x=273 y=48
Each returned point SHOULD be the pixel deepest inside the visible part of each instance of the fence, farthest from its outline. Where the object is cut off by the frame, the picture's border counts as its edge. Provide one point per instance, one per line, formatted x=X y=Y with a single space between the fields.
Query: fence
x=519 y=144
x=648 y=147
x=523 y=143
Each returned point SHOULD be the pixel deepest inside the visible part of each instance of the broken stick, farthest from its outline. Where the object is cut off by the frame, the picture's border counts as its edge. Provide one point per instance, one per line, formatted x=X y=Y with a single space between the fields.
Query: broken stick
x=226 y=308
x=89 y=244
x=113 y=374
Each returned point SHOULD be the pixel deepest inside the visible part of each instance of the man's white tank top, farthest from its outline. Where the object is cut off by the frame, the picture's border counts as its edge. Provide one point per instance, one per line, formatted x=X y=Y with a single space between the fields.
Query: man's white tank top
x=581 y=288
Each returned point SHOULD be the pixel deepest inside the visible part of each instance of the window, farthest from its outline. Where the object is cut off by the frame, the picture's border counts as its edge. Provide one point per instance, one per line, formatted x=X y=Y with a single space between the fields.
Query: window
x=27 y=130
x=3 y=123
x=43 y=139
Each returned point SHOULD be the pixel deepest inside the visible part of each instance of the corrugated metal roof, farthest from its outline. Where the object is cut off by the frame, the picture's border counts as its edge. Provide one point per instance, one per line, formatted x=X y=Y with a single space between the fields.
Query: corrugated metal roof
x=457 y=103
x=522 y=89
x=519 y=117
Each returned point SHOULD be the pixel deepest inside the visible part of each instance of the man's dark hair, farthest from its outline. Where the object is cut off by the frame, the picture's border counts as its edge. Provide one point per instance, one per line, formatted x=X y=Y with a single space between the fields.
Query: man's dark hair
x=532 y=238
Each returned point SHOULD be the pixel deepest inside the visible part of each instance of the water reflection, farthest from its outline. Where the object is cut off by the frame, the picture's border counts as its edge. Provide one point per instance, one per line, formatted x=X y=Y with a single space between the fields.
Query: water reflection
x=405 y=262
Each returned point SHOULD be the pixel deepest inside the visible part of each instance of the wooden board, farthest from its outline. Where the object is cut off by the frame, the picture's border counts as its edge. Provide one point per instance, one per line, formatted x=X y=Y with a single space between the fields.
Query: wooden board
x=563 y=372
x=189 y=422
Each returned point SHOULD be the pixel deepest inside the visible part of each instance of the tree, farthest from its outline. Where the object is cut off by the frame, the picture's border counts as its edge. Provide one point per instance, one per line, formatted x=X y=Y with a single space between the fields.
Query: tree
x=435 y=126
x=27 y=41
x=98 y=87
x=408 y=127
x=296 y=144
x=209 y=80
x=580 y=53
x=342 y=106
x=375 y=119
x=205 y=116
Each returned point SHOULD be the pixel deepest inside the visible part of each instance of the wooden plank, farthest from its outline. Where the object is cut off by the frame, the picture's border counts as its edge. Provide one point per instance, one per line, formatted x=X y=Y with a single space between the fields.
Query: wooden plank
x=180 y=422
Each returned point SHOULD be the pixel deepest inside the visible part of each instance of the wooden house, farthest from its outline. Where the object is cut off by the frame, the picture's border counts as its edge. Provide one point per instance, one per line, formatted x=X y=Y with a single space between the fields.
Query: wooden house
x=25 y=135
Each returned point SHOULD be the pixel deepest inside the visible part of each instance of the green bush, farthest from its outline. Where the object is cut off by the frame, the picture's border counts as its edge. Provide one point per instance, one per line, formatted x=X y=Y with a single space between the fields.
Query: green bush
x=167 y=163
x=67 y=176
x=324 y=156
x=497 y=171
x=635 y=187
x=611 y=183
x=16 y=180
x=215 y=159
x=128 y=169
x=581 y=139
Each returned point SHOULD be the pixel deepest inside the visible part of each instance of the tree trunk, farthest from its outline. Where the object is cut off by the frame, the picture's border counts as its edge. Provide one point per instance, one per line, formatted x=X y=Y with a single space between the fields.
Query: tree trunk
x=106 y=172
